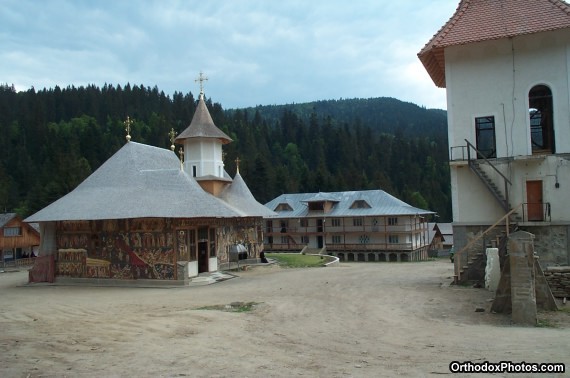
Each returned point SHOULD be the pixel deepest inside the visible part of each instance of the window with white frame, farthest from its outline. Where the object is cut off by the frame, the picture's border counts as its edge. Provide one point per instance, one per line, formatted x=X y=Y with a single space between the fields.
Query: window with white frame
x=283 y=239
x=357 y=221
x=392 y=221
x=335 y=222
x=336 y=239
x=393 y=239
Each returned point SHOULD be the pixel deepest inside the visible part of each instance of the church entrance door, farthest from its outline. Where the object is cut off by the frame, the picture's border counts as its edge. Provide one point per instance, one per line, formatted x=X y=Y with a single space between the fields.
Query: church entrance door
x=203 y=257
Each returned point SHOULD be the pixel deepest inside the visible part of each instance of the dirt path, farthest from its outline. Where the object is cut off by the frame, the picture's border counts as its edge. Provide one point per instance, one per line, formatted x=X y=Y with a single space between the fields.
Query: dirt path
x=360 y=320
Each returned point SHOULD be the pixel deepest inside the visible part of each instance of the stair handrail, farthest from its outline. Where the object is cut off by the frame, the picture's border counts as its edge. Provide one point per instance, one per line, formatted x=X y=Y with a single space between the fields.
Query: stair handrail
x=506 y=180
x=486 y=160
x=457 y=255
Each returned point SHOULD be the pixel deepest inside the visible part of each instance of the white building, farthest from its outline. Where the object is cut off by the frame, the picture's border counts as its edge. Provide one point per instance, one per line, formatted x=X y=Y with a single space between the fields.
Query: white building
x=368 y=225
x=505 y=66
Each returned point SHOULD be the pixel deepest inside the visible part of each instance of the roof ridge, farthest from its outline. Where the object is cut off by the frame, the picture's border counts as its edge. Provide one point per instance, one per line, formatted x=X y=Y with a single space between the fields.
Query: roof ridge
x=445 y=28
x=562 y=5
x=459 y=12
x=483 y=20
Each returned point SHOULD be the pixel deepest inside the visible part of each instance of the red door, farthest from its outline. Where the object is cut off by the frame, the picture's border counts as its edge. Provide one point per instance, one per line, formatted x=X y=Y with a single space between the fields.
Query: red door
x=534 y=200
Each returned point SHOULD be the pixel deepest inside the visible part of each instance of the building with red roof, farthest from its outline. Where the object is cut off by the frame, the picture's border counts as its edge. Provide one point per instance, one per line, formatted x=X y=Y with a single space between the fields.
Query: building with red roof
x=505 y=66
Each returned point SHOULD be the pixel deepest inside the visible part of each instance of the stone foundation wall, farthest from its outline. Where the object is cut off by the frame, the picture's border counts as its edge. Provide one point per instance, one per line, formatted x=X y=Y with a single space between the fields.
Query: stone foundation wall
x=551 y=244
x=462 y=235
x=559 y=280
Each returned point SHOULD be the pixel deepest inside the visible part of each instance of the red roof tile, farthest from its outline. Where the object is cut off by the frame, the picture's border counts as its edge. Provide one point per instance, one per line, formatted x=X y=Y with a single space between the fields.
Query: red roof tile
x=482 y=20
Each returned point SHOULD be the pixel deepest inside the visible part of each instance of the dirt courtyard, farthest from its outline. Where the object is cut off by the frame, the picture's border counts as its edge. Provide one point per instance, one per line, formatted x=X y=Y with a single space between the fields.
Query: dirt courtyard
x=354 y=320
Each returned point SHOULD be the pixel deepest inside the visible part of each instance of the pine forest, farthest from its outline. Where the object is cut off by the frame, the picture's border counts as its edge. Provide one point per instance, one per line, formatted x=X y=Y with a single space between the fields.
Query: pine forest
x=52 y=139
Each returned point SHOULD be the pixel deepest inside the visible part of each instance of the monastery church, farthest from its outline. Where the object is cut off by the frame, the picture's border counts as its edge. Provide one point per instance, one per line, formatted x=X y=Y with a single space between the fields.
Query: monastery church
x=145 y=216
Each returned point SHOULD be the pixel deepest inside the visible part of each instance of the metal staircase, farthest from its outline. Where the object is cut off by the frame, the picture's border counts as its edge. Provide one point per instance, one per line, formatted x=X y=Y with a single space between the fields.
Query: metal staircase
x=476 y=168
x=475 y=165
x=470 y=261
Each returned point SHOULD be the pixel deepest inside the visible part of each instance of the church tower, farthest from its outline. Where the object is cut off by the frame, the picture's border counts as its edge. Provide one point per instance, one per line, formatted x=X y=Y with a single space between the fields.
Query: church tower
x=202 y=142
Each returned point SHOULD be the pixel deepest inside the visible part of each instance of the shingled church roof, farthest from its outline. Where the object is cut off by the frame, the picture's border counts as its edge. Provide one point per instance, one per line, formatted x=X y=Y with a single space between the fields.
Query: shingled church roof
x=202 y=126
x=482 y=20
x=138 y=181
x=238 y=195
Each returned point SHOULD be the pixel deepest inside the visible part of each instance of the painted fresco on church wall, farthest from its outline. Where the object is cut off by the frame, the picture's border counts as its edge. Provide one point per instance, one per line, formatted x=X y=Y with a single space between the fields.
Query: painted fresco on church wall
x=104 y=250
x=147 y=248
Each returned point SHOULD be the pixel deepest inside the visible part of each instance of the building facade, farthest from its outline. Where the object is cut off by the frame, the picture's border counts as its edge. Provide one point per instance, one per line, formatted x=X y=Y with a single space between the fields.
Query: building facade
x=146 y=215
x=366 y=225
x=441 y=237
x=504 y=65
x=19 y=241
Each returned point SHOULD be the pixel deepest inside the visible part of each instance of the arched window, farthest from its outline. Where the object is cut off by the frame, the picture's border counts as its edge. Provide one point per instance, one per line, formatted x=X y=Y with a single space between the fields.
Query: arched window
x=541 y=120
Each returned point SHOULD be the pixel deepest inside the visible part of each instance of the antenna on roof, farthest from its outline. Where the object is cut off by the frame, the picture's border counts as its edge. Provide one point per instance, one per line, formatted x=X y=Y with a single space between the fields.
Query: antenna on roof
x=128 y=124
x=201 y=79
x=172 y=134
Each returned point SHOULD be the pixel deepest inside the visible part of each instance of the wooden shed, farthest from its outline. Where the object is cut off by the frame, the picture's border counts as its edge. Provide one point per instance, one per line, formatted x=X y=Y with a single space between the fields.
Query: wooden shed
x=19 y=241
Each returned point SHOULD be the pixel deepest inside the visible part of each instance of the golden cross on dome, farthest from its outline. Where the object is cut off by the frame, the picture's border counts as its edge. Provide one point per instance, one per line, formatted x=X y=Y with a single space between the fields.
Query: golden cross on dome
x=202 y=78
x=237 y=164
x=128 y=124
x=172 y=134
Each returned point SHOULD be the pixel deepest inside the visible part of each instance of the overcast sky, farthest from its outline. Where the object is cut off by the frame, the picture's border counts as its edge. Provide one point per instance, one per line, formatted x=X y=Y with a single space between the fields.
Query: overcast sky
x=254 y=52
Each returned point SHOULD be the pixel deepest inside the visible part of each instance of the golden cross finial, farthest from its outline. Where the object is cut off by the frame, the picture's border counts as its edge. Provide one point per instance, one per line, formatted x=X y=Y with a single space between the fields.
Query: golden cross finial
x=237 y=164
x=128 y=124
x=201 y=79
x=181 y=153
x=172 y=134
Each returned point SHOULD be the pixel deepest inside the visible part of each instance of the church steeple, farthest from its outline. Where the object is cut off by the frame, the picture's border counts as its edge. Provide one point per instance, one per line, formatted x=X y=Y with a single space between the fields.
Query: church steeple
x=202 y=141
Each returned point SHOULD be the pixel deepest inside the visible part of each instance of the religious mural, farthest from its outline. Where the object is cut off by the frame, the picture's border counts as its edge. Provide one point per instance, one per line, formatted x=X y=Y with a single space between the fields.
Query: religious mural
x=147 y=248
x=104 y=250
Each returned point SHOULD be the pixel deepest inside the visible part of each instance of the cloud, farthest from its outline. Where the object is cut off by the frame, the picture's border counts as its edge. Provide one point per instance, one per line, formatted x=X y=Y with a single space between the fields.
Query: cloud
x=254 y=51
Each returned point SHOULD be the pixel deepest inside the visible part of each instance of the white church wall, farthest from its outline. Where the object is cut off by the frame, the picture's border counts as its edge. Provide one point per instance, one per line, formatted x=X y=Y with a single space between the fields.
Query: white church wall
x=192 y=269
x=206 y=155
x=213 y=264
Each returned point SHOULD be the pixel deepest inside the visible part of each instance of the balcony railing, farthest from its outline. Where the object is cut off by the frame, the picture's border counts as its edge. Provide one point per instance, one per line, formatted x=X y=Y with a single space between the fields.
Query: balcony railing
x=458 y=153
x=276 y=231
x=536 y=212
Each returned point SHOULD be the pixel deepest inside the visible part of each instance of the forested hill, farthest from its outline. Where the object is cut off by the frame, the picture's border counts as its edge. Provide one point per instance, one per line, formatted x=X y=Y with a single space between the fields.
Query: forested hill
x=52 y=139
x=384 y=114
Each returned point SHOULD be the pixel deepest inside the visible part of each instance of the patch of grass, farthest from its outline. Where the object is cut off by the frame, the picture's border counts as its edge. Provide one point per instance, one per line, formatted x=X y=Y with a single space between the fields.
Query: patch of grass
x=545 y=323
x=295 y=260
x=232 y=307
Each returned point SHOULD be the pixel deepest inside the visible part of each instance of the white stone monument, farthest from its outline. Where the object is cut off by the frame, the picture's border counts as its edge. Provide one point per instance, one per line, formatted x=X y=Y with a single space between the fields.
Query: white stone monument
x=492 y=270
